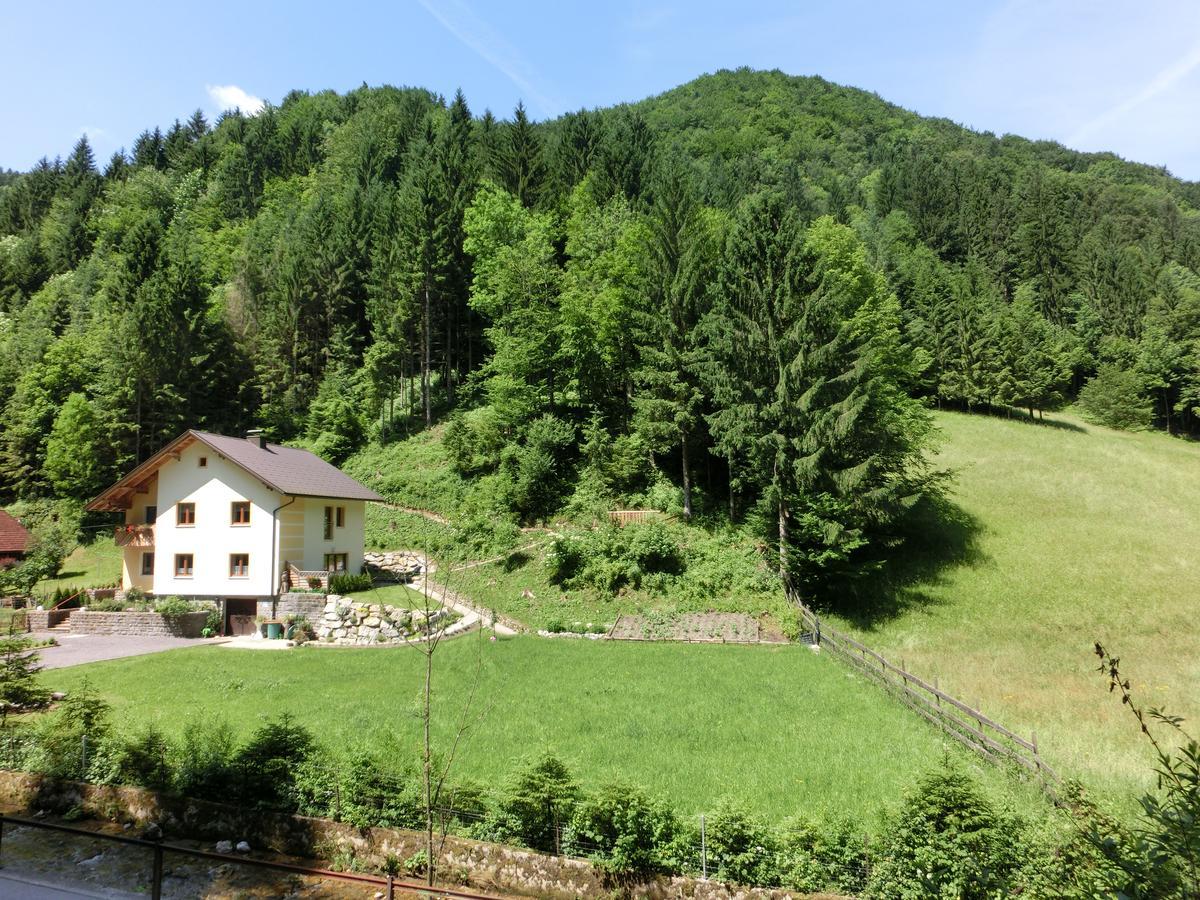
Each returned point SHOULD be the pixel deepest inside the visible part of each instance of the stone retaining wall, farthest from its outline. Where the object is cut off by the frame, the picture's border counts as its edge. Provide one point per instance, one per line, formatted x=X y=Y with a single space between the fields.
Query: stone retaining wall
x=311 y=606
x=344 y=620
x=403 y=565
x=45 y=619
x=85 y=621
x=488 y=866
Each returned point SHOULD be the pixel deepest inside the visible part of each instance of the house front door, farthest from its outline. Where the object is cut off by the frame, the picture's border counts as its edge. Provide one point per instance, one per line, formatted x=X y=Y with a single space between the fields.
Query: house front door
x=240 y=615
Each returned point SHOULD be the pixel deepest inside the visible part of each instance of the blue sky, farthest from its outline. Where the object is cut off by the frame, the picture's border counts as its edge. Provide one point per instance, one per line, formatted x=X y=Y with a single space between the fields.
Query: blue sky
x=1094 y=74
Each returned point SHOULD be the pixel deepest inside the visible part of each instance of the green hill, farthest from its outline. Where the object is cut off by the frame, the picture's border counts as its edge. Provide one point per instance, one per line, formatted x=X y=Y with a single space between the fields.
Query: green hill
x=1073 y=534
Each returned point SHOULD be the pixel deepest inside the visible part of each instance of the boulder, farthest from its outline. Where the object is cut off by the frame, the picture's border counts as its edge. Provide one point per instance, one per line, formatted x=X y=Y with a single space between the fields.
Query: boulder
x=224 y=846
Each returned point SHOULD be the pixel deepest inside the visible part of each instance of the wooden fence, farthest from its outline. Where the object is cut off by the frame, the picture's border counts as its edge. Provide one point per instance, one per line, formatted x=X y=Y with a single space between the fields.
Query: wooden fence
x=625 y=516
x=960 y=720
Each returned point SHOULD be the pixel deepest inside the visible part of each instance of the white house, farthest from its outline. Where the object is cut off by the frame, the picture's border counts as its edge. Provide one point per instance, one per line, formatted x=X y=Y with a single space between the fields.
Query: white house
x=238 y=520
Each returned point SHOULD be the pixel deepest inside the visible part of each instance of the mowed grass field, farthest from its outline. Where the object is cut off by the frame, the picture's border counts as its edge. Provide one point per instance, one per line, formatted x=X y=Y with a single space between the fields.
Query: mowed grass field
x=1077 y=534
x=786 y=731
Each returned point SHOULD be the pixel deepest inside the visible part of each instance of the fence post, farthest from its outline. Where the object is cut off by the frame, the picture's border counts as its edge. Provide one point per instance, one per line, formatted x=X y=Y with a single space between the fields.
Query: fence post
x=157 y=877
x=703 y=851
x=937 y=697
x=1037 y=757
x=391 y=887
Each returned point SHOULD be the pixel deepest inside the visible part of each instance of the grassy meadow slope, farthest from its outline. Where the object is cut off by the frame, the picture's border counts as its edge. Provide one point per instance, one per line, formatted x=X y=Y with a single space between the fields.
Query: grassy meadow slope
x=778 y=727
x=1074 y=534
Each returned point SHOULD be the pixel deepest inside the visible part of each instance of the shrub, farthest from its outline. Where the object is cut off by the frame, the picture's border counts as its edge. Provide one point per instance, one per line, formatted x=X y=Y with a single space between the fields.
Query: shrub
x=535 y=472
x=829 y=857
x=349 y=583
x=374 y=793
x=110 y=605
x=947 y=841
x=173 y=606
x=203 y=760
x=1116 y=397
x=474 y=441
x=69 y=741
x=624 y=832
x=538 y=801
x=267 y=764
x=740 y=846
x=144 y=761
x=610 y=557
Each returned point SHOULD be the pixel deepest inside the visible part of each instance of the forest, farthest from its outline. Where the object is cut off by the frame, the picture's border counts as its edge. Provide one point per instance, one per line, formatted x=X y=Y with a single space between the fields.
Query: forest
x=747 y=293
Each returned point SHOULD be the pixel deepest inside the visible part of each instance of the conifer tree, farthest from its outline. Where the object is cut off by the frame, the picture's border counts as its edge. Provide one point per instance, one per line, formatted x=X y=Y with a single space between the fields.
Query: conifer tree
x=518 y=162
x=810 y=388
x=680 y=260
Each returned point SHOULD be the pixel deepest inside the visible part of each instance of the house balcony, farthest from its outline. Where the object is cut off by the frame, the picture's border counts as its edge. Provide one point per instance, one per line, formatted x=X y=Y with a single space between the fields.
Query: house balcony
x=134 y=535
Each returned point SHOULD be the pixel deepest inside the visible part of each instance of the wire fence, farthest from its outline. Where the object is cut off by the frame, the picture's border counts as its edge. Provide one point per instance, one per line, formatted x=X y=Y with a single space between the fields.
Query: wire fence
x=363 y=794
x=962 y=721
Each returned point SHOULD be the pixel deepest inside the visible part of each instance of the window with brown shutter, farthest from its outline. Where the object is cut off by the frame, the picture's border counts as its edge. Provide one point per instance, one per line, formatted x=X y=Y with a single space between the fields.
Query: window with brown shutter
x=185 y=514
x=341 y=517
x=239 y=512
x=328 y=530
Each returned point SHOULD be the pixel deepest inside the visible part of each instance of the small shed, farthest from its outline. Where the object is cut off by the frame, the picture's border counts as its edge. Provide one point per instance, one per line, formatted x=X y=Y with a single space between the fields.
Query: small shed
x=14 y=540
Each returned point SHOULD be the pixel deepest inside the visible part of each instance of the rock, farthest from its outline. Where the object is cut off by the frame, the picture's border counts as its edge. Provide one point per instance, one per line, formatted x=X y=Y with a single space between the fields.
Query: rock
x=243 y=847
x=372 y=621
x=57 y=695
x=224 y=846
x=92 y=860
x=153 y=832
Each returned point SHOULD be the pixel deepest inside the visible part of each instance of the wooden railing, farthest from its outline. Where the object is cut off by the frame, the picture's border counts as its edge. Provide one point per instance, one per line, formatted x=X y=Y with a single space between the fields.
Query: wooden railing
x=625 y=516
x=960 y=720
x=134 y=535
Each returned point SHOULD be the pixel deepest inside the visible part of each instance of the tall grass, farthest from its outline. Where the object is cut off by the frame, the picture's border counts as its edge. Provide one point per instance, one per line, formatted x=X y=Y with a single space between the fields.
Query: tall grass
x=1067 y=534
x=781 y=728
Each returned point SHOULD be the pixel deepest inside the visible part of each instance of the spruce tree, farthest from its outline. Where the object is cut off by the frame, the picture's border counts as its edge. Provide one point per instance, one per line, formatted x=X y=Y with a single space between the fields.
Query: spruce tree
x=808 y=389
x=518 y=161
x=680 y=253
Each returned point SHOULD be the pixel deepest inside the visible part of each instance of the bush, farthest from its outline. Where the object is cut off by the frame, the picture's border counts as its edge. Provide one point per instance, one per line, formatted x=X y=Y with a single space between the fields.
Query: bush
x=740 y=847
x=624 y=832
x=948 y=841
x=144 y=761
x=204 y=757
x=267 y=765
x=1116 y=397
x=612 y=557
x=538 y=801
x=69 y=742
x=348 y=583
x=374 y=793
x=173 y=606
x=535 y=472
x=474 y=441
x=830 y=857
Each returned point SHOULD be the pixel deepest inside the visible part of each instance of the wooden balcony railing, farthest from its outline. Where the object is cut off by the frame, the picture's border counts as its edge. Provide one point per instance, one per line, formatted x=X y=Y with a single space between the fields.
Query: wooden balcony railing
x=134 y=535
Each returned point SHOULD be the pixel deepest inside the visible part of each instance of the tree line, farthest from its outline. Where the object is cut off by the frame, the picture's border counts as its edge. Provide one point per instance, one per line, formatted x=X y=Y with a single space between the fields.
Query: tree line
x=753 y=287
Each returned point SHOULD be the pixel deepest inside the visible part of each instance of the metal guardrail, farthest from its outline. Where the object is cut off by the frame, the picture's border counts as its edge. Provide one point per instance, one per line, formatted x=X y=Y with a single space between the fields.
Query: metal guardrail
x=161 y=848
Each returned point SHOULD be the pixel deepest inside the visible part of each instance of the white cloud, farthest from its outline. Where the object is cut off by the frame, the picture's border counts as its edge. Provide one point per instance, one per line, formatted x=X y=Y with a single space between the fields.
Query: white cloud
x=230 y=96
x=462 y=22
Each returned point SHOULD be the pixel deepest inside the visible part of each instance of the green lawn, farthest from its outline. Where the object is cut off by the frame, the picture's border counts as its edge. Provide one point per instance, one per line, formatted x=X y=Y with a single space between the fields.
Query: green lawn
x=786 y=730
x=1069 y=535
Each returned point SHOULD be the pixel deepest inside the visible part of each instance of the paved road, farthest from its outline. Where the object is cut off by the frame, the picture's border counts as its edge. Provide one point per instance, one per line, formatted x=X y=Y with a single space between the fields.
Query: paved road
x=77 y=649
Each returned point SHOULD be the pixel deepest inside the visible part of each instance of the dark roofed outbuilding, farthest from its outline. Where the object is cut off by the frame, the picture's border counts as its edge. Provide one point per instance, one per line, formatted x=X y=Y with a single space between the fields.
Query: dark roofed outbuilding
x=14 y=540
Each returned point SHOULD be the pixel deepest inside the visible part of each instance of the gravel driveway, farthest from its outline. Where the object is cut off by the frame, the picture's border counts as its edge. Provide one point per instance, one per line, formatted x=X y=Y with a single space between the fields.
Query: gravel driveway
x=77 y=649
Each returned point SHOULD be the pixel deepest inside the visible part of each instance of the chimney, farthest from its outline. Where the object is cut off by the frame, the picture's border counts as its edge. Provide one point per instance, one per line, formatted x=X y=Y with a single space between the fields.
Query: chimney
x=256 y=434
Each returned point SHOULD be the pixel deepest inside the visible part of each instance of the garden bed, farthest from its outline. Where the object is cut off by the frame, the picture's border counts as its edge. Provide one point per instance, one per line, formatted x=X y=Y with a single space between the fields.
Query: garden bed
x=708 y=628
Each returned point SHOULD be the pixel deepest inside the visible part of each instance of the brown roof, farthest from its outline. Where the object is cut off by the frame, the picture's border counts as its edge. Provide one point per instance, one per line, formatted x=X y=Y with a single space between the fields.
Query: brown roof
x=14 y=537
x=288 y=470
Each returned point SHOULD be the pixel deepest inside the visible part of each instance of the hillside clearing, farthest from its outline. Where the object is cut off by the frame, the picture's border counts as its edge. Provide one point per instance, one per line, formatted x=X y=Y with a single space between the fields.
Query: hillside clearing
x=781 y=728
x=1075 y=534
